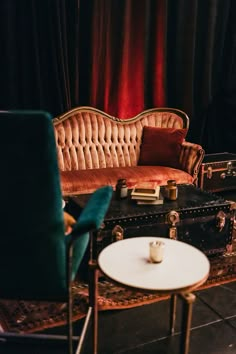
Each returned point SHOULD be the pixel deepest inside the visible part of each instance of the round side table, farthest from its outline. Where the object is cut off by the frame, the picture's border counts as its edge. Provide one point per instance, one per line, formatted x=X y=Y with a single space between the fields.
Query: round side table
x=183 y=269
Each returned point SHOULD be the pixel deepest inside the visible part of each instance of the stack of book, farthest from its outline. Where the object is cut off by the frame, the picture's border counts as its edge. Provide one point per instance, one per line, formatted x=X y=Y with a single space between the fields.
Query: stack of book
x=147 y=193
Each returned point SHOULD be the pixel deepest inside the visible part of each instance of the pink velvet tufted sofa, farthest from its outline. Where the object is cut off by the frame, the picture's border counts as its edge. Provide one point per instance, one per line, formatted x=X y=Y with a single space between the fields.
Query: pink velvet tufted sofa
x=96 y=149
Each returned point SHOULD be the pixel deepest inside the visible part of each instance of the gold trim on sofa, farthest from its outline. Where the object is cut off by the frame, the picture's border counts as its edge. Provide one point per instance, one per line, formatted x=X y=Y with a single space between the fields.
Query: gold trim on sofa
x=88 y=109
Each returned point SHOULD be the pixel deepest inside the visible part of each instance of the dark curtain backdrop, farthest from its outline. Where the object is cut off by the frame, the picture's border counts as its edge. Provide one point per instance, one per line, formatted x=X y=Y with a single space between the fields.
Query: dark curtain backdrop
x=124 y=56
x=38 y=54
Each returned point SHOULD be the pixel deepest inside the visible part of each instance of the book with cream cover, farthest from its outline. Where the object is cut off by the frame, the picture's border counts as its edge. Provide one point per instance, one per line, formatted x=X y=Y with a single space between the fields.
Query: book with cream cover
x=146 y=190
x=157 y=201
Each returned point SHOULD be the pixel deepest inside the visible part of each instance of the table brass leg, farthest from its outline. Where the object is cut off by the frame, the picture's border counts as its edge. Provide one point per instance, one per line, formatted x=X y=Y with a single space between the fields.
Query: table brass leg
x=188 y=300
x=93 y=301
x=173 y=302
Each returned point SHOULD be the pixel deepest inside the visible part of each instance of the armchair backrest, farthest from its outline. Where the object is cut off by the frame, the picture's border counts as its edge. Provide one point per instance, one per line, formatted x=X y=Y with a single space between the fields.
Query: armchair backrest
x=32 y=241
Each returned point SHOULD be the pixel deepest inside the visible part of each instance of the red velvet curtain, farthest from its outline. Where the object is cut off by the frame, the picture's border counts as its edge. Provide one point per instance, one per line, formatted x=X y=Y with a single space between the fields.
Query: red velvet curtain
x=178 y=53
x=122 y=60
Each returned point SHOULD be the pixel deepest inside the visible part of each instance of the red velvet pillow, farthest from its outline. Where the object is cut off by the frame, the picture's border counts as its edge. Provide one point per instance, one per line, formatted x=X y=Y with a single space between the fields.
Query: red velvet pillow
x=161 y=146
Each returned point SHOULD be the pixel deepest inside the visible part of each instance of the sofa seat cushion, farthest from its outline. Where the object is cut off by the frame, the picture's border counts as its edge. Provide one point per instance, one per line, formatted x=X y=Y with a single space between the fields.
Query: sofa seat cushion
x=87 y=181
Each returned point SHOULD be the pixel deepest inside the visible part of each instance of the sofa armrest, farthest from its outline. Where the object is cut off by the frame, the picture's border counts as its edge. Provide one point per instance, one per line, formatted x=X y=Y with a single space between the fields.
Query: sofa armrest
x=191 y=157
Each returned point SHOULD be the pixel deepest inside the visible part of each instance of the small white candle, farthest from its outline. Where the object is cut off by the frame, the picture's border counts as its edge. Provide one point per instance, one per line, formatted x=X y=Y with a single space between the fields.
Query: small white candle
x=156 y=251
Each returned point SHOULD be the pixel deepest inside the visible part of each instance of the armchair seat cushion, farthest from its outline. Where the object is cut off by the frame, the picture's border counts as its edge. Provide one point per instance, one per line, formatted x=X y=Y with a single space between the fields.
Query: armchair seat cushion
x=86 y=181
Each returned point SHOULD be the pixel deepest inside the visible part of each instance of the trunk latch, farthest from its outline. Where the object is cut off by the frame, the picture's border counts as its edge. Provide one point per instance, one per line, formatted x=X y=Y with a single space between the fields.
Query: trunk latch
x=172 y=218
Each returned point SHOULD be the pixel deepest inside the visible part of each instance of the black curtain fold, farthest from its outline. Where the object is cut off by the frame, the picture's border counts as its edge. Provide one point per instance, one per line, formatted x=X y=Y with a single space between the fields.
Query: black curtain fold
x=181 y=37
x=37 y=59
x=219 y=125
x=197 y=36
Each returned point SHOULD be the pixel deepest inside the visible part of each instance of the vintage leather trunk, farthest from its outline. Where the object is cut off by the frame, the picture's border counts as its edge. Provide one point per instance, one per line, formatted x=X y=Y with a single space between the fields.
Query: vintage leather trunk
x=218 y=172
x=223 y=267
x=197 y=217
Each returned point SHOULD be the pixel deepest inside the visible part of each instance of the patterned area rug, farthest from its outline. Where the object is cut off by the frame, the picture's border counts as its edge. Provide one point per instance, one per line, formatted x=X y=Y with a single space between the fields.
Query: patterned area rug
x=29 y=317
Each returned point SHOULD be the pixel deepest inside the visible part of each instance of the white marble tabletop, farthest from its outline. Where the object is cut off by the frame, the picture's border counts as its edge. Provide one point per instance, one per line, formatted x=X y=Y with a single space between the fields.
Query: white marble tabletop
x=183 y=268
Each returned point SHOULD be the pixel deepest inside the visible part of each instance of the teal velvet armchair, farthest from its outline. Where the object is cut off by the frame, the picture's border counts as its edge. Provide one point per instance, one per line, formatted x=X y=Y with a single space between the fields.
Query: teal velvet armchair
x=37 y=260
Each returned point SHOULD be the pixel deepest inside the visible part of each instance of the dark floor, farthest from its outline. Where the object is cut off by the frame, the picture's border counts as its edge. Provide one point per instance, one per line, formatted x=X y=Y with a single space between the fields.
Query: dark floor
x=144 y=330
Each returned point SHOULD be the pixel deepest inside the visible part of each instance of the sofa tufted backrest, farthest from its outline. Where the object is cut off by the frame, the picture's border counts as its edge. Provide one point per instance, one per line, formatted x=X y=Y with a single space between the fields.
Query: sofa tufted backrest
x=88 y=138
